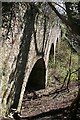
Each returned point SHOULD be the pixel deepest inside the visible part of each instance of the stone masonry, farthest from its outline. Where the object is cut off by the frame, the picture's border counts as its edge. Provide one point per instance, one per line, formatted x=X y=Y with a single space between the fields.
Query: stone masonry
x=25 y=63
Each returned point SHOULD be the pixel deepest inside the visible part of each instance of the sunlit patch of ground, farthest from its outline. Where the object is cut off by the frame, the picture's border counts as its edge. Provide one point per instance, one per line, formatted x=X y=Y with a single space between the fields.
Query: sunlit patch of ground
x=48 y=99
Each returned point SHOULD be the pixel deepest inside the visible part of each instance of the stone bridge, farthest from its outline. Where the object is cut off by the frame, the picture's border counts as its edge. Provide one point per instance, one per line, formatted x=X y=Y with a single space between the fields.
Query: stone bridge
x=27 y=60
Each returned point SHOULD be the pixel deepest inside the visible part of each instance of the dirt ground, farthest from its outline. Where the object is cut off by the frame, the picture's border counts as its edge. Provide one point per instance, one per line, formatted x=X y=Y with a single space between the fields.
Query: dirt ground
x=52 y=100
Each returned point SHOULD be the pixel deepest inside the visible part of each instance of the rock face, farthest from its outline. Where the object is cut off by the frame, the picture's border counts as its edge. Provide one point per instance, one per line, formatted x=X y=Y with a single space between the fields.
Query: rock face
x=25 y=55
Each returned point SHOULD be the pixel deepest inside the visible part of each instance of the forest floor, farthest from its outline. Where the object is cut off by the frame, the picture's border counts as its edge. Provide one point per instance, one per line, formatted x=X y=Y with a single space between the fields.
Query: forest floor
x=51 y=103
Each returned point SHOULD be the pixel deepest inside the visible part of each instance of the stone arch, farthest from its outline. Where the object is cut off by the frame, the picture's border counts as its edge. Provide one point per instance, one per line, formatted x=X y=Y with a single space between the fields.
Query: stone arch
x=36 y=79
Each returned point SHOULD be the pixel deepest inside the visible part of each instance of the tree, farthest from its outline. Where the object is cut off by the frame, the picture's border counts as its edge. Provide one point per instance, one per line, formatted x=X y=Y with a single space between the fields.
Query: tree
x=72 y=21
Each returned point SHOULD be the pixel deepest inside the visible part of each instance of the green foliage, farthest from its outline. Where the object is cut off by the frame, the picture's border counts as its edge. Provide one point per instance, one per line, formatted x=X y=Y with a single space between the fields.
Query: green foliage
x=61 y=66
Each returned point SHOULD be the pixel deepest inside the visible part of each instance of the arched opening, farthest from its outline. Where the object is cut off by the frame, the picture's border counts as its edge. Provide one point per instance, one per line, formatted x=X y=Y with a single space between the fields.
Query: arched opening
x=52 y=49
x=36 y=79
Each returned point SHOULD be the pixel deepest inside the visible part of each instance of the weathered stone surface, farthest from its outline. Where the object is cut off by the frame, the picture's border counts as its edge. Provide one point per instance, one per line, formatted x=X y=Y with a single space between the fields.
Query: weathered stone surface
x=25 y=57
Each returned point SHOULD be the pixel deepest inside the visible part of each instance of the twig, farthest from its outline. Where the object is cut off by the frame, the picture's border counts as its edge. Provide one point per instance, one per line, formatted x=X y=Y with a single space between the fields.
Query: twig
x=68 y=75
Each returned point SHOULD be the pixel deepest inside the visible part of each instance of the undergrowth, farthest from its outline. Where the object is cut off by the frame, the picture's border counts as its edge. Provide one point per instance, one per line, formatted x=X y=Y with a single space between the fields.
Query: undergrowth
x=58 y=70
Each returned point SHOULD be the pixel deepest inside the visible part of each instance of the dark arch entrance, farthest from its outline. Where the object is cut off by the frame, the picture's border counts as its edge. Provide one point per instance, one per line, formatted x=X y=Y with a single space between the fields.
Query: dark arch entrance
x=36 y=79
x=52 y=49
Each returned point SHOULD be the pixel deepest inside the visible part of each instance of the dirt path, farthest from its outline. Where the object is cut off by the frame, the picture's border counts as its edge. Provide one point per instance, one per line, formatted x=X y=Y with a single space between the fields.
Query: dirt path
x=47 y=100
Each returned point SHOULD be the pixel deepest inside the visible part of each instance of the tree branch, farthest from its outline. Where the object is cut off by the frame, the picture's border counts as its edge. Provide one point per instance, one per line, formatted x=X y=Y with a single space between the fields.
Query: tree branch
x=69 y=23
x=60 y=6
